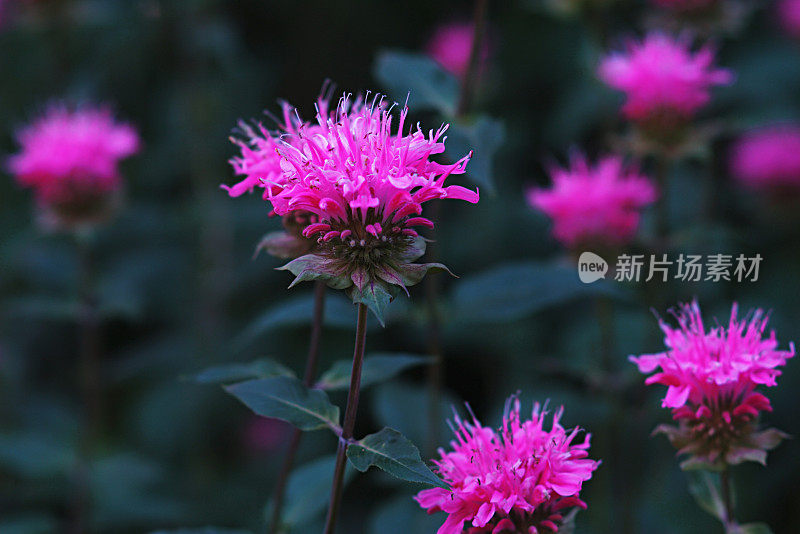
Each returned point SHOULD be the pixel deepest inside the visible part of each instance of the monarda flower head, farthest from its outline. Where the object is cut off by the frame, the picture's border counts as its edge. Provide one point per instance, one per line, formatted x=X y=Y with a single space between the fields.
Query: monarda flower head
x=665 y=82
x=70 y=159
x=596 y=204
x=712 y=376
x=365 y=185
x=768 y=159
x=520 y=478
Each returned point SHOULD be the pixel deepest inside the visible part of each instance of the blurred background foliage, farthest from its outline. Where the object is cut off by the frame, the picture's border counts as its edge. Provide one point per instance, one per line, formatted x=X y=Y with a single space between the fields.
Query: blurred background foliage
x=178 y=290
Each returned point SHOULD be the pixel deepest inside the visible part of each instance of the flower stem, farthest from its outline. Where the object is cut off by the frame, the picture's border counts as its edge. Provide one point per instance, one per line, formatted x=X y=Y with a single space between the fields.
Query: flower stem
x=727 y=497
x=662 y=206
x=90 y=379
x=308 y=379
x=349 y=420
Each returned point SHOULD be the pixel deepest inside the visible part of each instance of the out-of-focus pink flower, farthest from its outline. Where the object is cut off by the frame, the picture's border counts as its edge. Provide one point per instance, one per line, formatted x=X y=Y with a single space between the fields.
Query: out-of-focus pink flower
x=520 y=478
x=788 y=13
x=72 y=156
x=451 y=47
x=664 y=81
x=711 y=377
x=263 y=434
x=768 y=158
x=594 y=204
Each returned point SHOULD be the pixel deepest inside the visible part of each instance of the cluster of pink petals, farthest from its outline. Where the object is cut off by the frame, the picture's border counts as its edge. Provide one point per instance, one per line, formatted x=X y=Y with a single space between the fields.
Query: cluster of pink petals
x=259 y=161
x=451 y=47
x=592 y=204
x=663 y=77
x=68 y=152
x=768 y=158
x=704 y=369
x=518 y=475
x=354 y=174
x=788 y=13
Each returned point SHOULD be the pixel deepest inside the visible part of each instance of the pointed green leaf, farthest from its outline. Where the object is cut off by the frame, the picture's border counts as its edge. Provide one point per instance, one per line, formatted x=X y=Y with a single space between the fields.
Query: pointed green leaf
x=414 y=251
x=376 y=296
x=412 y=274
x=314 y=267
x=430 y=86
x=308 y=490
x=484 y=136
x=238 y=372
x=296 y=311
x=376 y=368
x=514 y=290
x=390 y=451
x=286 y=398
x=704 y=487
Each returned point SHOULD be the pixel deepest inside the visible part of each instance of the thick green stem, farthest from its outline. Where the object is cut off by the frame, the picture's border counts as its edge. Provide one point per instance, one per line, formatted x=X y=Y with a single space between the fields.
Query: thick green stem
x=308 y=379
x=349 y=420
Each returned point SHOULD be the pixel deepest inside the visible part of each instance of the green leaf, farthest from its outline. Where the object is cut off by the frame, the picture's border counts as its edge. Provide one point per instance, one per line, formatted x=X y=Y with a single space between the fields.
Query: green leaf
x=430 y=86
x=704 y=487
x=238 y=372
x=515 y=290
x=392 y=452
x=483 y=136
x=376 y=368
x=376 y=296
x=313 y=267
x=401 y=515
x=405 y=406
x=142 y=499
x=412 y=273
x=308 y=491
x=286 y=398
x=35 y=455
x=29 y=524
x=296 y=311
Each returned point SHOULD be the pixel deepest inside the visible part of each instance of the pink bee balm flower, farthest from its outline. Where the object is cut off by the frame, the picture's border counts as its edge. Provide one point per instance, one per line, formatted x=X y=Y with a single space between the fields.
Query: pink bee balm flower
x=70 y=158
x=788 y=13
x=664 y=81
x=366 y=186
x=711 y=377
x=594 y=204
x=451 y=47
x=520 y=478
x=768 y=158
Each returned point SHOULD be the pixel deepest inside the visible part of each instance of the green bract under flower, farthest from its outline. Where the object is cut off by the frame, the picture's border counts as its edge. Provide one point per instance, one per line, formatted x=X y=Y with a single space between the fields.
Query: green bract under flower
x=372 y=271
